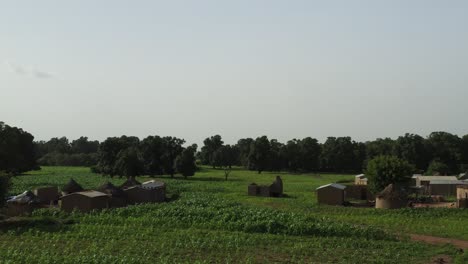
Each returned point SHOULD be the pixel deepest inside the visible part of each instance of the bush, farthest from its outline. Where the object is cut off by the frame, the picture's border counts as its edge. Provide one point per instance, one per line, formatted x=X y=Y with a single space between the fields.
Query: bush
x=384 y=170
x=437 y=168
x=5 y=184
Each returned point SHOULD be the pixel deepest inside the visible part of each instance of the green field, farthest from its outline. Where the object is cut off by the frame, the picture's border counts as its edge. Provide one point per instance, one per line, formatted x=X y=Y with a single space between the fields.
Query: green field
x=211 y=220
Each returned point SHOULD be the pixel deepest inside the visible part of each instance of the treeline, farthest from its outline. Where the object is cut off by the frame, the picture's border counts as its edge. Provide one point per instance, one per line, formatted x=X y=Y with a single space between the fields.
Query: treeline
x=62 y=152
x=440 y=153
x=154 y=155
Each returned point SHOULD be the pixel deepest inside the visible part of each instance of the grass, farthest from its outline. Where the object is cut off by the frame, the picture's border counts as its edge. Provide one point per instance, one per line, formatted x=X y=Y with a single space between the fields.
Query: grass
x=213 y=220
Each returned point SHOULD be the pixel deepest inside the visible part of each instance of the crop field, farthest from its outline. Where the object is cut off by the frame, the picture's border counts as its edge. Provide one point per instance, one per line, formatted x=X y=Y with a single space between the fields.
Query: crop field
x=209 y=220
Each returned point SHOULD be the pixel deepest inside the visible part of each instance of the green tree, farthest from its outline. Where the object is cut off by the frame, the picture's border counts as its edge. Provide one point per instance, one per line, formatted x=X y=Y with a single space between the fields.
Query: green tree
x=109 y=151
x=446 y=148
x=17 y=150
x=259 y=156
x=185 y=161
x=152 y=151
x=243 y=146
x=384 y=170
x=310 y=151
x=413 y=149
x=211 y=145
x=172 y=147
x=129 y=163
x=341 y=154
x=225 y=157
x=437 y=167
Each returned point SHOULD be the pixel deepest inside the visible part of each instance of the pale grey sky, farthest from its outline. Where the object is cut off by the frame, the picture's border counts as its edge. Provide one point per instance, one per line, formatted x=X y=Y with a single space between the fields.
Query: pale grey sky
x=192 y=69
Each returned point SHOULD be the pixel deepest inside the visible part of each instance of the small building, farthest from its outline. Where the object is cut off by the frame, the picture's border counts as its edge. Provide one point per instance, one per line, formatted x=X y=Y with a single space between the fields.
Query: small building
x=273 y=190
x=22 y=204
x=360 y=179
x=392 y=197
x=47 y=195
x=85 y=201
x=331 y=194
x=358 y=192
x=443 y=187
x=462 y=196
x=117 y=196
x=148 y=192
x=71 y=187
x=463 y=176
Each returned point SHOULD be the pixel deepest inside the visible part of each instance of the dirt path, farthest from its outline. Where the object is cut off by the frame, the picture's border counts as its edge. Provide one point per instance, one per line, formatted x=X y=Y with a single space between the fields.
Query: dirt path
x=463 y=244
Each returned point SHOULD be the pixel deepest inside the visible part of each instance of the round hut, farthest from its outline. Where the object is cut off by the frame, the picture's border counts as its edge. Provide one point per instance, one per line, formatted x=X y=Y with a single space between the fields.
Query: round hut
x=22 y=204
x=118 y=198
x=71 y=187
x=392 y=197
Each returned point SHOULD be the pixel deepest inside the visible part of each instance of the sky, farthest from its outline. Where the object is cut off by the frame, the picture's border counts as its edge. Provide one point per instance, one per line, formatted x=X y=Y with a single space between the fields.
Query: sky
x=245 y=68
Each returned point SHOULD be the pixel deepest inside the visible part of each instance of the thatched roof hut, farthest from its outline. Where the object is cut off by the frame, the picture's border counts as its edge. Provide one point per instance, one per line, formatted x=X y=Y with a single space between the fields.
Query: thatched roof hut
x=130 y=182
x=392 y=197
x=71 y=187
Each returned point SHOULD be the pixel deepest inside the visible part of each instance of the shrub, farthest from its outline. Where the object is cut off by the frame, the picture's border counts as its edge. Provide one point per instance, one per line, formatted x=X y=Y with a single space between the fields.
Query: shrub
x=384 y=170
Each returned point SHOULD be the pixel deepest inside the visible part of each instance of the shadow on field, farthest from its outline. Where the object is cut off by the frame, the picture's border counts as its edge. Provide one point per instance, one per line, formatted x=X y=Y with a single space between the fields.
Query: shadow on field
x=213 y=179
x=21 y=225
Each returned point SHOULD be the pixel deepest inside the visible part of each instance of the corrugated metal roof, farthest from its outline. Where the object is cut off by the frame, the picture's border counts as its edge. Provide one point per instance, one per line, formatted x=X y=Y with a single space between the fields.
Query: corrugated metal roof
x=334 y=185
x=436 y=178
x=435 y=182
x=152 y=184
x=360 y=176
x=90 y=194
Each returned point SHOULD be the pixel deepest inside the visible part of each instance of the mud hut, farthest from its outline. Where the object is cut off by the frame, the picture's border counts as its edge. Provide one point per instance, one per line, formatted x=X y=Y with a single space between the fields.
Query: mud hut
x=47 y=195
x=84 y=201
x=462 y=196
x=148 y=192
x=130 y=182
x=273 y=190
x=392 y=197
x=22 y=204
x=253 y=189
x=117 y=197
x=331 y=194
x=71 y=187
x=276 y=188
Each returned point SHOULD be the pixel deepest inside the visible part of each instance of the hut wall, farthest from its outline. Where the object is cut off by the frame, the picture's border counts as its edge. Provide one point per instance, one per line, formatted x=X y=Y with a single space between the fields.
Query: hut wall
x=17 y=209
x=253 y=190
x=47 y=194
x=115 y=202
x=330 y=196
x=141 y=195
x=389 y=203
x=442 y=189
x=462 y=203
x=83 y=203
x=264 y=191
x=462 y=192
x=358 y=192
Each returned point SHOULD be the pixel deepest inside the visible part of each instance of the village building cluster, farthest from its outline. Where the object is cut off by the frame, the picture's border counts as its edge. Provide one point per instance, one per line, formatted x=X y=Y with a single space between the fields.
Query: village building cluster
x=74 y=197
x=397 y=195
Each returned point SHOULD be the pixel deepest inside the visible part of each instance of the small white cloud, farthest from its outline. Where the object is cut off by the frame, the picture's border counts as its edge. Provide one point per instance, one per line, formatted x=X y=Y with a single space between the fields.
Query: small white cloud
x=21 y=70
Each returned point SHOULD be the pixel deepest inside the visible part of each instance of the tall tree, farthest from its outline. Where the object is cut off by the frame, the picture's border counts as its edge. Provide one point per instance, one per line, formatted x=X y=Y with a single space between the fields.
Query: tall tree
x=340 y=154
x=84 y=146
x=445 y=148
x=17 y=150
x=128 y=163
x=109 y=151
x=172 y=148
x=259 y=156
x=210 y=146
x=152 y=151
x=413 y=148
x=243 y=145
x=185 y=161
x=310 y=151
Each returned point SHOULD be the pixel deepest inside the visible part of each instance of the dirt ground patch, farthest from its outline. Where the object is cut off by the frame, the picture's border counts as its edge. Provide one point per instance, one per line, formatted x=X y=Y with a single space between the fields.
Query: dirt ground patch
x=441 y=259
x=463 y=244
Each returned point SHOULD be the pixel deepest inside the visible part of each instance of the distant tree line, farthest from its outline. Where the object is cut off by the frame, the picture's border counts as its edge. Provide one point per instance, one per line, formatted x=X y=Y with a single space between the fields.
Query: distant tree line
x=154 y=155
x=440 y=153
x=62 y=152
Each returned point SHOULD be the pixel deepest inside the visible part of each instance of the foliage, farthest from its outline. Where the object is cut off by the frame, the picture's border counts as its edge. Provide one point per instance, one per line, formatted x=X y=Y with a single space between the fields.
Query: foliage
x=210 y=146
x=259 y=156
x=185 y=162
x=384 y=170
x=437 y=168
x=17 y=153
x=5 y=183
